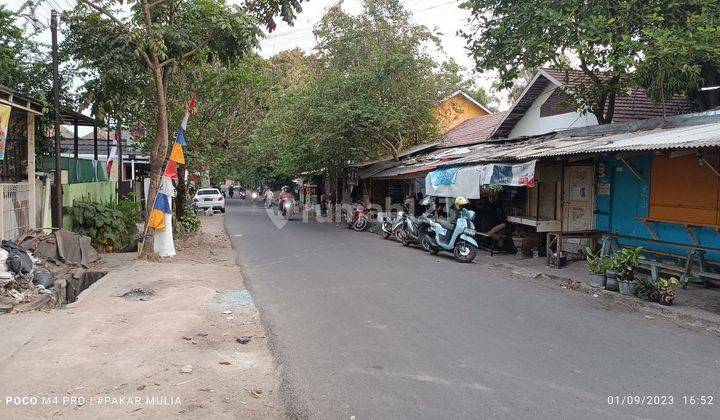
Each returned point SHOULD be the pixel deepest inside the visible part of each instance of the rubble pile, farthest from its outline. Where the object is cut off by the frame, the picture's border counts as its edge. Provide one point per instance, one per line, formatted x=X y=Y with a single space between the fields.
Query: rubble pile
x=45 y=271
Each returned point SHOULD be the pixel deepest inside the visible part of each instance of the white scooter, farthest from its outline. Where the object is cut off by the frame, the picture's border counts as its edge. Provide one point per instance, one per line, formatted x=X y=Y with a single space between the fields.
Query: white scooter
x=287 y=208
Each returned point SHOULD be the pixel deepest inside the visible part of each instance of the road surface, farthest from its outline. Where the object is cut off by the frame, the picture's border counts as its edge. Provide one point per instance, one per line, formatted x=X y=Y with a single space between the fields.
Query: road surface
x=367 y=328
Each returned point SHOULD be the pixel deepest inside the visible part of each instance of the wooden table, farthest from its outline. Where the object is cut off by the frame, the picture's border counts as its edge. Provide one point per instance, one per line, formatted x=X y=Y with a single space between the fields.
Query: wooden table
x=556 y=239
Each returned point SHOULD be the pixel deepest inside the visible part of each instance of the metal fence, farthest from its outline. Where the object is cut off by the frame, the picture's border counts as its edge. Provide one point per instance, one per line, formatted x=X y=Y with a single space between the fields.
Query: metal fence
x=14 y=209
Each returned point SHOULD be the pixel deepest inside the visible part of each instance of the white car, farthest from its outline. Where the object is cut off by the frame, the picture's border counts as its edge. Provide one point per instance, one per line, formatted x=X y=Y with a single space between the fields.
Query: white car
x=209 y=198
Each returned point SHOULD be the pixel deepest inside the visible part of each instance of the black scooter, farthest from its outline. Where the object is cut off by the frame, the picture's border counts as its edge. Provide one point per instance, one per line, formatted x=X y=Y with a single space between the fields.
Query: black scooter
x=414 y=230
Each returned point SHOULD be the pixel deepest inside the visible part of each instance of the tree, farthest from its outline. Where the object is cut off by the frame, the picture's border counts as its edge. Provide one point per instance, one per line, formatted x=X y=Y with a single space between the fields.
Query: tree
x=608 y=39
x=161 y=36
x=683 y=47
x=486 y=98
x=374 y=93
x=24 y=64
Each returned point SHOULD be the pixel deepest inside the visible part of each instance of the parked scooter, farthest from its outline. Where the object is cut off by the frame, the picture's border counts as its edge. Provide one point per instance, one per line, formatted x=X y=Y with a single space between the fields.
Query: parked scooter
x=357 y=219
x=399 y=224
x=415 y=231
x=458 y=237
x=387 y=226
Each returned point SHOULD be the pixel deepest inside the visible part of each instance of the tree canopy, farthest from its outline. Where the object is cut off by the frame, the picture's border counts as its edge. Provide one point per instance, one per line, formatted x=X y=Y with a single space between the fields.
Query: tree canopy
x=373 y=92
x=657 y=44
x=130 y=51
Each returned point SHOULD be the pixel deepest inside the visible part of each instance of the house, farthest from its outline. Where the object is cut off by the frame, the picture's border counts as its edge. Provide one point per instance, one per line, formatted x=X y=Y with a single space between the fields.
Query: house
x=472 y=131
x=18 y=192
x=545 y=107
x=457 y=108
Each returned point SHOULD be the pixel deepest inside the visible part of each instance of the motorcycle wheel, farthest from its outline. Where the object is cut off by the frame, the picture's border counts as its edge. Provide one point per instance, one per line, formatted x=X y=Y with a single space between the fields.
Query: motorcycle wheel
x=398 y=233
x=360 y=224
x=464 y=252
x=426 y=243
x=385 y=234
x=434 y=250
x=405 y=240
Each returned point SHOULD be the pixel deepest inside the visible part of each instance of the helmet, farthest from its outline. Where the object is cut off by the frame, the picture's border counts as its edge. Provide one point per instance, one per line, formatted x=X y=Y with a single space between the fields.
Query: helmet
x=461 y=201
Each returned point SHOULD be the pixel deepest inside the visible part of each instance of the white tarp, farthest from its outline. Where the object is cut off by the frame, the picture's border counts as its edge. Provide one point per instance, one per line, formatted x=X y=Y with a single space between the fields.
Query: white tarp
x=466 y=180
x=164 y=245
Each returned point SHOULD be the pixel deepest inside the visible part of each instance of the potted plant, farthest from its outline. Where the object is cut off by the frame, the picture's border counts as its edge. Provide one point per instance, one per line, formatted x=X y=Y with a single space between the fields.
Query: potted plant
x=597 y=265
x=626 y=261
x=611 y=272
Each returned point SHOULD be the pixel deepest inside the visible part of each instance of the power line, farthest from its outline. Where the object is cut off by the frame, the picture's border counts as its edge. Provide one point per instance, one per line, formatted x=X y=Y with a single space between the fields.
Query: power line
x=312 y=27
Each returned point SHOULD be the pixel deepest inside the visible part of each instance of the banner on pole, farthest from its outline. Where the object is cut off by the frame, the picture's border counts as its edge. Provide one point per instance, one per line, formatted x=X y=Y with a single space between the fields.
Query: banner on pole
x=4 y=127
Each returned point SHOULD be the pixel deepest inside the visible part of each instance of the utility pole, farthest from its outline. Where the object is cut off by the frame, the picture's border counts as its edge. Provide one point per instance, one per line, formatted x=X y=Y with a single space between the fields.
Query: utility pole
x=57 y=210
x=119 y=158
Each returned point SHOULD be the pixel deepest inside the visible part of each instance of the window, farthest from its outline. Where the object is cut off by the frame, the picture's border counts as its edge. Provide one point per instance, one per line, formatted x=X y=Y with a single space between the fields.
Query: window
x=683 y=190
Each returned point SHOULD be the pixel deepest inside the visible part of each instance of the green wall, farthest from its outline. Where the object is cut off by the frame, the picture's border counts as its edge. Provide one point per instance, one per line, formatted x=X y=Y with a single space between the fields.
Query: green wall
x=99 y=192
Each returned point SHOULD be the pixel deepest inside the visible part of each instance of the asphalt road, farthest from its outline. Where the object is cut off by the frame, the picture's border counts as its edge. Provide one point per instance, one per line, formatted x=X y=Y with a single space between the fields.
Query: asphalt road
x=367 y=328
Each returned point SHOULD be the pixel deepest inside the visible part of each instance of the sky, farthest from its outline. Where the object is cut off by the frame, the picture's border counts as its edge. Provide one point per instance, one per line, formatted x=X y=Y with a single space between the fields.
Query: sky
x=444 y=17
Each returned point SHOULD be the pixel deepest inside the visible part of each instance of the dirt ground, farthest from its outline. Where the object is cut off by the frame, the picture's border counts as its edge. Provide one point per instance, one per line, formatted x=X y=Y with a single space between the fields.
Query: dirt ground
x=175 y=354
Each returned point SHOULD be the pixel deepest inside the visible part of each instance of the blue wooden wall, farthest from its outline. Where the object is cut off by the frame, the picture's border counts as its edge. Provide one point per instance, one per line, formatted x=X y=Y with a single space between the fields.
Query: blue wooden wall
x=630 y=198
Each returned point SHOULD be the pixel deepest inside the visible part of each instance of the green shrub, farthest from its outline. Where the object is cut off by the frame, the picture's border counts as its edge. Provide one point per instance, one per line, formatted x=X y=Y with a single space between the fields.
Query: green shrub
x=647 y=289
x=110 y=226
x=186 y=224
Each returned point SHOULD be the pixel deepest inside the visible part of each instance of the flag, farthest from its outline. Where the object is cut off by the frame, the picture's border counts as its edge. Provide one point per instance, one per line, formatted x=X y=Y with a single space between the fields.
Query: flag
x=181 y=137
x=183 y=125
x=171 y=170
x=157 y=220
x=157 y=215
x=162 y=203
x=191 y=104
x=177 y=154
x=4 y=127
x=111 y=159
x=167 y=187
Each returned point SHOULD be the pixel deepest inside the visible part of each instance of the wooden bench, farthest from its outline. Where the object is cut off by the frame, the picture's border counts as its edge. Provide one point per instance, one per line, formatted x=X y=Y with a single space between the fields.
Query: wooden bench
x=656 y=262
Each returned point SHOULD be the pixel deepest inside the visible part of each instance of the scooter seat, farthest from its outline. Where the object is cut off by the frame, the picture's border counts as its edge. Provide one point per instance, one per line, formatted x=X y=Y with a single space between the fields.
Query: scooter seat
x=446 y=224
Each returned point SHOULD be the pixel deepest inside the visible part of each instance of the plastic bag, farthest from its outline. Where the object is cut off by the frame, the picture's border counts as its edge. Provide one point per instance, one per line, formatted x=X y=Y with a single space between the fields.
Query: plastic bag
x=18 y=260
x=43 y=277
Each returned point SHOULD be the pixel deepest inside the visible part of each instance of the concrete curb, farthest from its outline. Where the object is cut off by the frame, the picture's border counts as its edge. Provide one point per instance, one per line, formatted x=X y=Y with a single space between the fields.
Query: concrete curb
x=684 y=316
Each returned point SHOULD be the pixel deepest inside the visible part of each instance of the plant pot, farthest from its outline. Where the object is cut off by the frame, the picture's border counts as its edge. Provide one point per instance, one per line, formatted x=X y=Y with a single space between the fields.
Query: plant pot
x=597 y=280
x=627 y=287
x=611 y=282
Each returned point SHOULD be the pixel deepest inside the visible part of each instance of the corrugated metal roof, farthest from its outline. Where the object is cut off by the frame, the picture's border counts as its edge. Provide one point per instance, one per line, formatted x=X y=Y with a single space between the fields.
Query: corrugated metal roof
x=686 y=137
x=403 y=153
x=369 y=171
x=409 y=169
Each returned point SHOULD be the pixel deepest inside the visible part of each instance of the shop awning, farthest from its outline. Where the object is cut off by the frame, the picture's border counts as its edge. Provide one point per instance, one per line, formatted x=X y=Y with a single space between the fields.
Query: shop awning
x=466 y=180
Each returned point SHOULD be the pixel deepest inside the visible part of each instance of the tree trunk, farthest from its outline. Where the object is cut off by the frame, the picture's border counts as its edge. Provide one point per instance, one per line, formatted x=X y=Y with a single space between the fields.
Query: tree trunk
x=157 y=153
x=181 y=192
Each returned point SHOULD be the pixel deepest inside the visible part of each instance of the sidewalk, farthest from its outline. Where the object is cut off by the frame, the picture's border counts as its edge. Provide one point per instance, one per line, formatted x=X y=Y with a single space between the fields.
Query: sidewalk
x=696 y=307
x=177 y=352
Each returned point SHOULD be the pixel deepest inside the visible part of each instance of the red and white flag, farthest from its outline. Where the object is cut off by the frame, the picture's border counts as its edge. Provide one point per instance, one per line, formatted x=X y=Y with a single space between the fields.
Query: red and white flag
x=111 y=159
